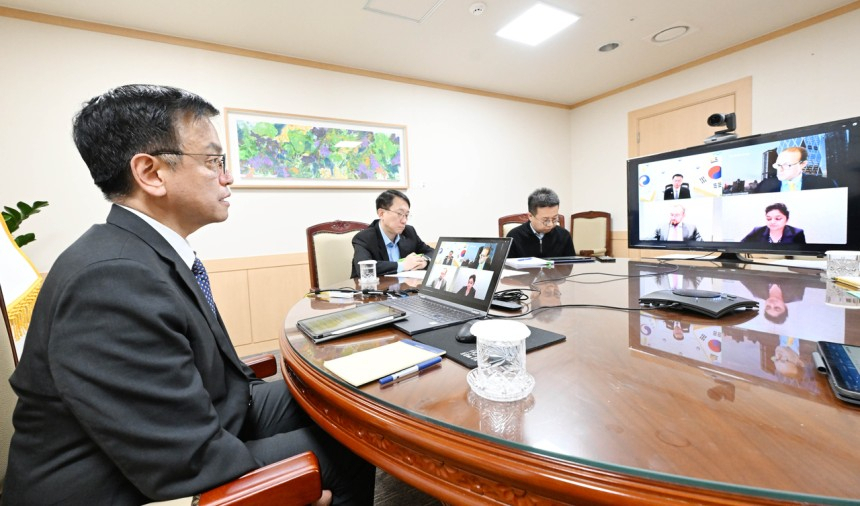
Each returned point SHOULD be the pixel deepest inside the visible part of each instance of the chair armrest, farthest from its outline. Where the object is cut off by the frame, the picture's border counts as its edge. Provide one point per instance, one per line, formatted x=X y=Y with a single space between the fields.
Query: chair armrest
x=294 y=481
x=262 y=365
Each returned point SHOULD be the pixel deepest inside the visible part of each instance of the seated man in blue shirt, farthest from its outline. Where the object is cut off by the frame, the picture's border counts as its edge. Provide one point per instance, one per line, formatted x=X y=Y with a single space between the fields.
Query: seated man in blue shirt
x=541 y=236
x=389 y=240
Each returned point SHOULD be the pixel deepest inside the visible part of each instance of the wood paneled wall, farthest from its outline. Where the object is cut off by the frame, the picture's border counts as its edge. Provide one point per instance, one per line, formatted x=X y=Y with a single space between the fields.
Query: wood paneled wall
x=254 y=295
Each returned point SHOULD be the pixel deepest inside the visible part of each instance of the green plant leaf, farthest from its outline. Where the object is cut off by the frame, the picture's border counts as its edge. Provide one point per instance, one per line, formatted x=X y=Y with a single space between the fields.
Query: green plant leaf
x=23 y=239
x=13 y=218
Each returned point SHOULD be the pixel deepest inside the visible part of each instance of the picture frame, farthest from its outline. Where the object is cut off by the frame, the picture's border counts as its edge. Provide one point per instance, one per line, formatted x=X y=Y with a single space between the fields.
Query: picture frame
x=276 y=150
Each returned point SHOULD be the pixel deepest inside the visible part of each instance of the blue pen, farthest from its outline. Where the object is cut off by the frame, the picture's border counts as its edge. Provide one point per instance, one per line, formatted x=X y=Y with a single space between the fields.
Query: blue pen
x=410 y=371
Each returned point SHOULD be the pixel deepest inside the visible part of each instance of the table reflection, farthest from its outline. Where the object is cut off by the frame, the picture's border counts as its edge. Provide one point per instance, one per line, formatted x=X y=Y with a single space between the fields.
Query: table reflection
x=754 y=347
x=502 y=419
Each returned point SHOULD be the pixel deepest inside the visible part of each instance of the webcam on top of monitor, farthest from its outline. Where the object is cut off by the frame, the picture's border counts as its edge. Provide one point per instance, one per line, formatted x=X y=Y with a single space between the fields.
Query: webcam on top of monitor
x=727 y=120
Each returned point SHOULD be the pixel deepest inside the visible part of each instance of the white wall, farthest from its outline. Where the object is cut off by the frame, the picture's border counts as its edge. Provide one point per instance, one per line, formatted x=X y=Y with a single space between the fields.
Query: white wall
x=472 y=159
x=804 y=78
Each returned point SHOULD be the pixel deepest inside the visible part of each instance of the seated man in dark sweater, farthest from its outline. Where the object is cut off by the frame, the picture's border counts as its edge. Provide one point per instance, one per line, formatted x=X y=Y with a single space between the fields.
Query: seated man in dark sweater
x=389 y=240
x=541 y=236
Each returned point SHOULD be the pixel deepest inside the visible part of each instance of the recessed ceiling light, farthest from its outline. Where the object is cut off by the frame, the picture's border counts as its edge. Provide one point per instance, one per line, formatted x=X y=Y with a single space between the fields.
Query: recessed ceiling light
x=670 y=34
x=537 y=24
x=612 y=46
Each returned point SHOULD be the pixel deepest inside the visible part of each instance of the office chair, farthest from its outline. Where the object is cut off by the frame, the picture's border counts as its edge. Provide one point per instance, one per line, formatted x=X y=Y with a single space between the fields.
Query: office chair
x=330 y=251
x=294 y=481
x=591 y=232
x=506 y=223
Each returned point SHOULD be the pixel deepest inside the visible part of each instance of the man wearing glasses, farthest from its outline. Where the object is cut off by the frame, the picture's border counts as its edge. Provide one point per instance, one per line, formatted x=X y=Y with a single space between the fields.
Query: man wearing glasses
x=541 y=236
x=394 y=245
x=789 y=174
x=129 y=388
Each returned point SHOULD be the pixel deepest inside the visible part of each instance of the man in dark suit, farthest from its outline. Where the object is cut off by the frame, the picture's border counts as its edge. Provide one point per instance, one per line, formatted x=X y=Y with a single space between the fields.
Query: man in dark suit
x=129 y=388
x=541 y=236
x=389 y=240
x=677 y=229
x=677 y=190
x=789 y=174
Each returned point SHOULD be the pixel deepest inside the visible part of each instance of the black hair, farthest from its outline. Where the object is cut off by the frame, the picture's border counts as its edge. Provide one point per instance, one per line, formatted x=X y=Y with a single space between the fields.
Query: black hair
x=778 y=318
x=386 y=198
x=779 y=206
x=678 y=175
x=112 y=128
x=542 y=197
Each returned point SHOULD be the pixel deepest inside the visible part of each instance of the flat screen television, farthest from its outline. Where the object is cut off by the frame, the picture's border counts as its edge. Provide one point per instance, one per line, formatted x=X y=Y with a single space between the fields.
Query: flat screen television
x=738 y=196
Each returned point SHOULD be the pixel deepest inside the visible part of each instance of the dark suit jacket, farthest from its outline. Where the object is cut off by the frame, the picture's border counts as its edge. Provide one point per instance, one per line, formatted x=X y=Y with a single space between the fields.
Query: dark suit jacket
x=369 y=245
x=789 y=235
x=683 y=193
x=129 y=389
x=807 y=182
x=462 y=291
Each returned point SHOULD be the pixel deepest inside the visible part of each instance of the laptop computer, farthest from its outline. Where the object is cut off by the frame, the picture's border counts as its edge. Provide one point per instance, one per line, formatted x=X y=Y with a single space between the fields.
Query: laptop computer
x=458 y=285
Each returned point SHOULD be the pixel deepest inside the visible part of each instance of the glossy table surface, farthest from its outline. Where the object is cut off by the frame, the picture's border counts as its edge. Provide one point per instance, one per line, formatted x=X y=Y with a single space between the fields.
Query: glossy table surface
x=732 y=408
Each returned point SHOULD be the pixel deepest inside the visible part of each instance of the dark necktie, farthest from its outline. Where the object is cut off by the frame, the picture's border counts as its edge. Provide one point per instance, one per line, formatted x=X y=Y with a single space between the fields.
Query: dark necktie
x=203 y=280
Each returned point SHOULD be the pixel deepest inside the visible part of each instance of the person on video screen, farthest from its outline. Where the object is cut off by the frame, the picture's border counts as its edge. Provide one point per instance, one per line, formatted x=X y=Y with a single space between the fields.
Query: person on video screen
x=676 y=229
x=677 y=190
x=469 y=288
x=441 y=283
x=777 y=229
x=789 y=166
x=483 y=260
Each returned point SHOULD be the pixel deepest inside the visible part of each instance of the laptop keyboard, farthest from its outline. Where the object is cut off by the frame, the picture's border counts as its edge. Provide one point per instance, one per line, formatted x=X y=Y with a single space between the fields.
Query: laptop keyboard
x=431 y=309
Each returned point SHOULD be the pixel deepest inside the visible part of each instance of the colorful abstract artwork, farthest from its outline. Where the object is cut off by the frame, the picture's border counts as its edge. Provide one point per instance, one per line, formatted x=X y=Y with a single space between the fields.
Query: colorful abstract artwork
x=269 y=150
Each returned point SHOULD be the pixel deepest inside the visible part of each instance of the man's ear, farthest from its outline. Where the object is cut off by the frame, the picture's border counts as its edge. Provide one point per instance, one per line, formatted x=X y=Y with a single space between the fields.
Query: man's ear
x=145 y=170
x=380 y=212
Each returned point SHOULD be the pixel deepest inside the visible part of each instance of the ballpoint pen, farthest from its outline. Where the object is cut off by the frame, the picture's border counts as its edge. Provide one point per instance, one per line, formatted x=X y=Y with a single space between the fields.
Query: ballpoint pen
x=410 y=371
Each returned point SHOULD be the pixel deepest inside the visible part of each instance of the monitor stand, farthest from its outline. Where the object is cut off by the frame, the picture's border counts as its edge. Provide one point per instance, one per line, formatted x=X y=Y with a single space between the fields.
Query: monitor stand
x=724 y=257
x=727 y=259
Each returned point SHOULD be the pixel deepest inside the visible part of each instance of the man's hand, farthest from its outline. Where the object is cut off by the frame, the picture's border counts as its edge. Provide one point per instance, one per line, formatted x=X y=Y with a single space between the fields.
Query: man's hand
x=414 y=262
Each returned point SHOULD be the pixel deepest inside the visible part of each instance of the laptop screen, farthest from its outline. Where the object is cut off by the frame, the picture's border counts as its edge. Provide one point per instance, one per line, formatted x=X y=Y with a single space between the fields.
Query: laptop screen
x=466 y=270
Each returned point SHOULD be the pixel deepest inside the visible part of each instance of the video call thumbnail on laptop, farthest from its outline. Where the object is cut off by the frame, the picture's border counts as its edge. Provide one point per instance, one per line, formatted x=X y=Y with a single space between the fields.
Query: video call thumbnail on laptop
x=458 y=286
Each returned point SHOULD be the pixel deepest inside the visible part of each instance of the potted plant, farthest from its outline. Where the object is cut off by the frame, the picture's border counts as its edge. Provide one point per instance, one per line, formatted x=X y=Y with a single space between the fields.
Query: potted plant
x=13 y=218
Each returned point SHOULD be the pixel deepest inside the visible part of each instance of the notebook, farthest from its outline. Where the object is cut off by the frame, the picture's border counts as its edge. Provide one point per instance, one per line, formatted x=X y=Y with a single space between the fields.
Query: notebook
x=458 y=285
x=368 y=365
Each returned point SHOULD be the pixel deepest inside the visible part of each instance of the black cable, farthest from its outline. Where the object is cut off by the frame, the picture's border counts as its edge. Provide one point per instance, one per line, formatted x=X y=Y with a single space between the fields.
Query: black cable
x=364 y=291
x=618 y=276
x=513 y=295
x=593 y=306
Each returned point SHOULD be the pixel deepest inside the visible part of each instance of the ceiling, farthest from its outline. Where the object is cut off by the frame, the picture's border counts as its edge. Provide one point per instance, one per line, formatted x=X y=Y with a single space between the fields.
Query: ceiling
x=443 y=43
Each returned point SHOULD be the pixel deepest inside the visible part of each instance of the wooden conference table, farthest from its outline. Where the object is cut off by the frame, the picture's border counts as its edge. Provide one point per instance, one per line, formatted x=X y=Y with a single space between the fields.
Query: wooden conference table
x=631 y=409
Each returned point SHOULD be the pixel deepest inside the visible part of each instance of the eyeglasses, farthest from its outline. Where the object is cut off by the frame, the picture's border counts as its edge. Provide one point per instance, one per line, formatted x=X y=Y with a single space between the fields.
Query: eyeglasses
x=401 y=215
x=555 y=220
x=785 y=165
x=215 y=163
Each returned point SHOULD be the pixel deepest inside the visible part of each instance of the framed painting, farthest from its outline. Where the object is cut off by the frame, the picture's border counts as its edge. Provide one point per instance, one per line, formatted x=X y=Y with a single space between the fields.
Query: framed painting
x=271 y=150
